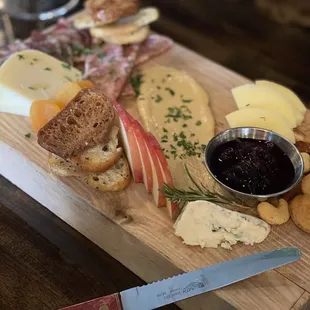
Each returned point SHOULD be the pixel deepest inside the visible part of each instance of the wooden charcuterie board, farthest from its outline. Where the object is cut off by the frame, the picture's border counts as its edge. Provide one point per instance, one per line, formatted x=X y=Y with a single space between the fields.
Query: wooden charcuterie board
x=129 y=227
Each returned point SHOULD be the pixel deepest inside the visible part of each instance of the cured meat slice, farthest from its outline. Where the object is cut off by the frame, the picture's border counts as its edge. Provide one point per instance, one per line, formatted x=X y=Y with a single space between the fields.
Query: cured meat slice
x=109 y=68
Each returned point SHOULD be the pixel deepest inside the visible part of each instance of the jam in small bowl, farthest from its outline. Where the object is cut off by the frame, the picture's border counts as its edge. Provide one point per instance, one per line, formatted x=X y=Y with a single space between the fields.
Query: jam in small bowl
x=254 y=162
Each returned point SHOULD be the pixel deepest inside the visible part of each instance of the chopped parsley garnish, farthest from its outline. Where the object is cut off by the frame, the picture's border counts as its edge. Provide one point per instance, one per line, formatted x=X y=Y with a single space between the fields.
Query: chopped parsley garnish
x=136 y=83
x=101 y=55
x=20 y=56
x=66 y=66
x=171 y=91
x=47 y=69
x=198 y=123
x=28 y=135
x=176 y=113
x=158 y=99
x=68 y=78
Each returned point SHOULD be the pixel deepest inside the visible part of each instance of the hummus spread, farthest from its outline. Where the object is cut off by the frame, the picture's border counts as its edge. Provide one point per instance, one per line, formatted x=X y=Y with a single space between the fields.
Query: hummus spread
x=175 y=108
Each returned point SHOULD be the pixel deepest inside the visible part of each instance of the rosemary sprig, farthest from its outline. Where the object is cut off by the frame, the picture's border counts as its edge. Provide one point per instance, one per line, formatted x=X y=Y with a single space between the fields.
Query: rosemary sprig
x=198 y=192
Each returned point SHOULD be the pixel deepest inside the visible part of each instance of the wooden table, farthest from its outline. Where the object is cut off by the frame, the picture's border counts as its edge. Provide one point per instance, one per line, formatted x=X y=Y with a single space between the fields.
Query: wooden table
x=46 y=264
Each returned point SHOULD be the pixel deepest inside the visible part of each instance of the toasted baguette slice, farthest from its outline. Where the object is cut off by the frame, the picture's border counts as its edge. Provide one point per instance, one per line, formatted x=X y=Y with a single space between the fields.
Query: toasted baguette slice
x=109 y=11
x=65 y=168
x=85 y=122
x=122 y=39
x=100 y=157
x=115 y=179
x=127 y=25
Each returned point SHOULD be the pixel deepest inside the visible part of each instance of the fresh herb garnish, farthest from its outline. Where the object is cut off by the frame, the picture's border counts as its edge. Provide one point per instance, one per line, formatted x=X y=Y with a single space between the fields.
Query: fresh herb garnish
x=176 y=113
x=66 y=66
x=136 y=82
x=198 y=123
x=20 y=56
x=197 y=192
x=28 y=135
x=68 y=78
x=171 y=91
x=158 y=99
x=101 y=55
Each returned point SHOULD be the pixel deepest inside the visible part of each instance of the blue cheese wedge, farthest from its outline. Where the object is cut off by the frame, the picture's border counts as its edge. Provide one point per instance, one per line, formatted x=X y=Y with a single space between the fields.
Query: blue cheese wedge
x=209 y=225
x=31 y=75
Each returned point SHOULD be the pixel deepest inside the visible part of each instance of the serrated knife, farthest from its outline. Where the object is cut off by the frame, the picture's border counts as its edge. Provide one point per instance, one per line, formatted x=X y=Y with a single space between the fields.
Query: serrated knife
x=192 y=283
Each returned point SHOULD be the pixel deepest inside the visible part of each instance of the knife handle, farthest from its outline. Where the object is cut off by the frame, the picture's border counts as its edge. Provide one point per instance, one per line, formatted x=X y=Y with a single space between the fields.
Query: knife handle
x=109 y=302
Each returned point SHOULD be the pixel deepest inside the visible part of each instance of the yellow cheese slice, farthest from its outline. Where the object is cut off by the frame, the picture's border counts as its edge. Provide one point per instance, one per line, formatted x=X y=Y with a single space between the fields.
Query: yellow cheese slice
x=257 y=117
x=253 y=96
x=295 y=102
x=31 y=75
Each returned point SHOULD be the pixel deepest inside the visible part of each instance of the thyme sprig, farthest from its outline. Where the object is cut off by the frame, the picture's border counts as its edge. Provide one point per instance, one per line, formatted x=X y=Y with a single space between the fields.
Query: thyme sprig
x=198 y=192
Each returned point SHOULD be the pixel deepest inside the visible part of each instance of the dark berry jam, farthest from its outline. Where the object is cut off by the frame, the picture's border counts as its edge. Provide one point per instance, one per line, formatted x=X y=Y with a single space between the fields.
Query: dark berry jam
x=251 y=166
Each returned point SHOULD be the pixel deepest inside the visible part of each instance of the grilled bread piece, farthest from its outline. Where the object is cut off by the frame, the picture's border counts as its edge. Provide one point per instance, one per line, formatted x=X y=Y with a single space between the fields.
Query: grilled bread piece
x=115 y=179
x=96 y=159
x=122 y=39
x=124 y=26
x=109 y=11
x=102 y=156
x=85 y=122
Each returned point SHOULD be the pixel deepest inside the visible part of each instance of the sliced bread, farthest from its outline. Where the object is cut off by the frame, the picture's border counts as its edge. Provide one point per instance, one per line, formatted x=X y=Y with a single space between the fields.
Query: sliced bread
x=109 y=11
x=85 y=122
x=115 y=179
x=102 y=156
x=65 y=167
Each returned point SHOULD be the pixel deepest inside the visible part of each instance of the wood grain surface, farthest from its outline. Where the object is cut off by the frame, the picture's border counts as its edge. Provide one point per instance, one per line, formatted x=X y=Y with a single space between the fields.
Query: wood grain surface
x=131 y=229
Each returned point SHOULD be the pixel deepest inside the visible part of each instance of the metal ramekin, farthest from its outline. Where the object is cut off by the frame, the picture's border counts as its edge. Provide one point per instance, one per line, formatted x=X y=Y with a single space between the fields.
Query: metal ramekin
x=258 y=134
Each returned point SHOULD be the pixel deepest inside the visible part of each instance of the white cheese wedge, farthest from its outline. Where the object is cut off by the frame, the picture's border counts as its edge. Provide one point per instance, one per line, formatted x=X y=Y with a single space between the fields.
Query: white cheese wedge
x=289 y=95
x=266 y=119
x=209 y=225
x=31 y=75
x=254 y=96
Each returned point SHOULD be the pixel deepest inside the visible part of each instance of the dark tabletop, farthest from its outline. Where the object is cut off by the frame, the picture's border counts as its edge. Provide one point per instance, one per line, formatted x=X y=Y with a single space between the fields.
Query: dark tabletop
x=44 y=263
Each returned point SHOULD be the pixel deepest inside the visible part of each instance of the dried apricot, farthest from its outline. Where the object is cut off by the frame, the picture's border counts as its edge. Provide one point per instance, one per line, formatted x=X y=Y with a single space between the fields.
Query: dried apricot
x=68 y=92
x=86 y=84
x=41 y=112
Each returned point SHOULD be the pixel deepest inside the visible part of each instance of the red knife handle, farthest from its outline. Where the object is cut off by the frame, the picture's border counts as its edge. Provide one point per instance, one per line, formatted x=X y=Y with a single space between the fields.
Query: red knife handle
x=110 y=302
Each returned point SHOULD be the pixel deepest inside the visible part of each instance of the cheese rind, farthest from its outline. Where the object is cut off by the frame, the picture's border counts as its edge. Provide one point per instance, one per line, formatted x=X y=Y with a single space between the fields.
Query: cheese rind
x=31 y=75
x=209 y=225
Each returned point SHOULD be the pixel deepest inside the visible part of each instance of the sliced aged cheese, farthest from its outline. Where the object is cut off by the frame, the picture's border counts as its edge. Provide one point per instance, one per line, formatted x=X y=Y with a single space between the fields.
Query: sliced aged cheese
x=31 y=75
x=289 y=95
x=266 y=119
x=253 y=96
x=208 y=225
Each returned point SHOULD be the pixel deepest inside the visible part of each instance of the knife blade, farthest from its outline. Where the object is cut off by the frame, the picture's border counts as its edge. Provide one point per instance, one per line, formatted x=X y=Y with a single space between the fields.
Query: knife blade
x=171 y=290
